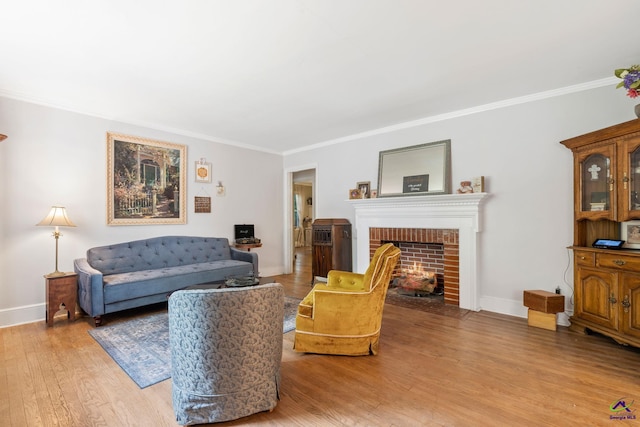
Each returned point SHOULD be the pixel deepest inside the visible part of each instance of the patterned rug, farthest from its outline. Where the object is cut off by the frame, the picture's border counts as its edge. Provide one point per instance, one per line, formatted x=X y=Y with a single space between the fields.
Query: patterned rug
x=290 y=310
x=140 y=346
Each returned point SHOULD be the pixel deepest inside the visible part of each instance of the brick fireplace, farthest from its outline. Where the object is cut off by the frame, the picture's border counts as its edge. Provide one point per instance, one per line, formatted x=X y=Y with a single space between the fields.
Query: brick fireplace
x=432 y=249
x=452 y=218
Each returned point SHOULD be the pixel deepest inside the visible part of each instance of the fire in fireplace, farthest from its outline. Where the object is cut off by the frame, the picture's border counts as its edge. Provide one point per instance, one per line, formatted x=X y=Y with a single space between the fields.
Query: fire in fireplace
x=416 y=283
x=420 y=267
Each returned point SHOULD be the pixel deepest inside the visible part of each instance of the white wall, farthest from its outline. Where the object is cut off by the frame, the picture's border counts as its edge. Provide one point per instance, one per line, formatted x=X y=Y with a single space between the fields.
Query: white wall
x=528 y=216
x=58 y=157
x=53 y=157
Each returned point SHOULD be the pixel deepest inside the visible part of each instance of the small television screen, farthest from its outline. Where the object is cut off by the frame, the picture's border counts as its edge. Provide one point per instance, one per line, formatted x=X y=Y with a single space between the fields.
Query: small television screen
x=608 y=244
x=244 y=231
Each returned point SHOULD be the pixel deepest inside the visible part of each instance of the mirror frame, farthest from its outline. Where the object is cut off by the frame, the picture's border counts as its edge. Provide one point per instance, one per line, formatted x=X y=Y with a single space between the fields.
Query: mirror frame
x=389 y=173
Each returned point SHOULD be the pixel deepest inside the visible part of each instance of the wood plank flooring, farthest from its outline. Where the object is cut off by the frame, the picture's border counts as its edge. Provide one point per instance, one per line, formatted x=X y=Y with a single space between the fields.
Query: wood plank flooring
x=482 y=369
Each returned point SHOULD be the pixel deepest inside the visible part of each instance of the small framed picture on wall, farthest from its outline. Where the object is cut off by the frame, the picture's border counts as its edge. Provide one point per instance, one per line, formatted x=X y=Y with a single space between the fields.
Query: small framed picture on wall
x=202 y=204
x=203 y=172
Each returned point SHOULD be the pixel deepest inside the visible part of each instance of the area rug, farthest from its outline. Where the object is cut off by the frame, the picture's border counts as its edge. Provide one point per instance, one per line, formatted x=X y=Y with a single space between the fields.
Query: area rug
x=140 y=346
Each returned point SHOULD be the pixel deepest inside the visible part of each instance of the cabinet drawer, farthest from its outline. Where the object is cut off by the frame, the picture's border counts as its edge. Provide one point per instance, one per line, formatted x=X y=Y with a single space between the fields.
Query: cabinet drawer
x=622 y=262
x=584 y=258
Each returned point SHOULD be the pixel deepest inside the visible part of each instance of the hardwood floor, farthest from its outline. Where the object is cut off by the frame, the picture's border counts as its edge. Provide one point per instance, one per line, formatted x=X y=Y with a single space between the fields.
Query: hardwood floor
x=483 y=369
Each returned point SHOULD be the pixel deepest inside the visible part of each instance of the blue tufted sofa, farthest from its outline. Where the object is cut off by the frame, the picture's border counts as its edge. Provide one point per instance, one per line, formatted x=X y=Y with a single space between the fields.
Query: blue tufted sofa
x=132 y=274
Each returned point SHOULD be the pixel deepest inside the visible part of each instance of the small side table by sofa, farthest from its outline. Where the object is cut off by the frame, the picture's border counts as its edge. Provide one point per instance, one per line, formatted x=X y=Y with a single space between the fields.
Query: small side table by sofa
x=248 y=246
x=61 y=290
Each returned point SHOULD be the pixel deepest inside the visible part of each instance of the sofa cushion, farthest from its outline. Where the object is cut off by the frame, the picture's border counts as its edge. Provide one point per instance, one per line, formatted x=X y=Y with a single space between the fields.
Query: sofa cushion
x=124 y=286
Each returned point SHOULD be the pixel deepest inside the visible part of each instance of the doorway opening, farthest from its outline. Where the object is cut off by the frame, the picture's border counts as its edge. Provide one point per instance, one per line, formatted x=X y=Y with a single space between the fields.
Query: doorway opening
x=299 y=217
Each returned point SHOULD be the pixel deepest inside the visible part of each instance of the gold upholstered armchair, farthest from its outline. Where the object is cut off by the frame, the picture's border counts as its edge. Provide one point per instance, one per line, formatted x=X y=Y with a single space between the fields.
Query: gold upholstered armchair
x=344 y=315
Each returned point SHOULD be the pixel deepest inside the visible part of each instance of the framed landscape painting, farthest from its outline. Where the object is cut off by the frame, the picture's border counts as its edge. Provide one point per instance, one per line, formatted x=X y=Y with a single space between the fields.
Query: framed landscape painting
x=146 y=181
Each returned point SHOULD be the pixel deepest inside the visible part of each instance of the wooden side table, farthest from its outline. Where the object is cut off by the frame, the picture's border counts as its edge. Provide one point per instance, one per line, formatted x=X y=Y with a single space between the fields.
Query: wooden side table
x=61 y=290
x=248 y=246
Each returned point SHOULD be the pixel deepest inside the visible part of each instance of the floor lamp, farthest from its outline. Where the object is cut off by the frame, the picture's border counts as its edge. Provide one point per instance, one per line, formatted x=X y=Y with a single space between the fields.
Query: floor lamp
x=57 y=217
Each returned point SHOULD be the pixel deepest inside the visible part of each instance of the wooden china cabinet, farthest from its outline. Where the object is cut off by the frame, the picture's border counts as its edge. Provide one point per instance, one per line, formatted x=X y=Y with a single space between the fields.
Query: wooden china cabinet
x=606 y=198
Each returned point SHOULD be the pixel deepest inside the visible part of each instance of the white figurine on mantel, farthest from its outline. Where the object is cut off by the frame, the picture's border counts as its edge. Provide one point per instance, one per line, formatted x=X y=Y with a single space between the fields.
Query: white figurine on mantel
x=465 y=187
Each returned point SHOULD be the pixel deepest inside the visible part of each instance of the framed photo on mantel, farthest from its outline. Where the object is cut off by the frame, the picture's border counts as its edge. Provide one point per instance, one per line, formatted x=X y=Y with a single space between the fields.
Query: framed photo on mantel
x=477 y=183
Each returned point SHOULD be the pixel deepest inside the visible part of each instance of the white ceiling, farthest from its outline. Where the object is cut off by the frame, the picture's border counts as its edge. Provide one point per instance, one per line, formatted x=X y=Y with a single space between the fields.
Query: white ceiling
x=280 y=75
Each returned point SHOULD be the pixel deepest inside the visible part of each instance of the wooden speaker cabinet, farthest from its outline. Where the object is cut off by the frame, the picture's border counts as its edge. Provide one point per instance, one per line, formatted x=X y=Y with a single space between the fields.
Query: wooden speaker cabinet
x=330 y=246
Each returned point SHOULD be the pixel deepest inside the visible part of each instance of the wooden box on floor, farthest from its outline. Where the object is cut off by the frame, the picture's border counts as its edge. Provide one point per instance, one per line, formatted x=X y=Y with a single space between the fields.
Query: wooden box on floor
x=541 y=320
x=544 y=301
x=543 y=306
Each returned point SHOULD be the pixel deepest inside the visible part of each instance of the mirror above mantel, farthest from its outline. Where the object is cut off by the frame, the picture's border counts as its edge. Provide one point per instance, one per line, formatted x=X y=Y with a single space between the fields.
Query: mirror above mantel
x=418 y=170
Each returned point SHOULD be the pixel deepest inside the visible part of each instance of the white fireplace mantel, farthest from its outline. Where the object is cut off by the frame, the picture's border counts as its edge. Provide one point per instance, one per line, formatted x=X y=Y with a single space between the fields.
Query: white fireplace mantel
x=453 y=211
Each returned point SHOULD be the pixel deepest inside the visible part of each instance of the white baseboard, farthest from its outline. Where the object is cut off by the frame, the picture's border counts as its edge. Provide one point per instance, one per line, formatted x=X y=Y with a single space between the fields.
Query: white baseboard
x=36 y=312
x=21 y=315
x=273 y=271
x=514 y=308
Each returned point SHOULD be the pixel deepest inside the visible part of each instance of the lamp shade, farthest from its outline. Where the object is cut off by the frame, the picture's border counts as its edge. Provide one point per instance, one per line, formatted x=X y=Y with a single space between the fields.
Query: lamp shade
x=57 y=217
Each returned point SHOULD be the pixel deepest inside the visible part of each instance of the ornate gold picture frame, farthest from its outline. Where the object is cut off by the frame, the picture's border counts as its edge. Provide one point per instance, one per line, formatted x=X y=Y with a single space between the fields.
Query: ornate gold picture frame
x=146 y=181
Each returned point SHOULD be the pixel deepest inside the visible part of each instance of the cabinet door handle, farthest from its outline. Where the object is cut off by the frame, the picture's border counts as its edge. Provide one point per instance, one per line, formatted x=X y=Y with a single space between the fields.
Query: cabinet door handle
x=625 y=180
x=626 y=304
x=613 y=299
x=619 y=262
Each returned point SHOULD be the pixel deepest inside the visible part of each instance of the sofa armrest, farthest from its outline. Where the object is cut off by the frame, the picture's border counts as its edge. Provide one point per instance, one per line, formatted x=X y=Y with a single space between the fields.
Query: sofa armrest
x=90 y=288
x=247 y=256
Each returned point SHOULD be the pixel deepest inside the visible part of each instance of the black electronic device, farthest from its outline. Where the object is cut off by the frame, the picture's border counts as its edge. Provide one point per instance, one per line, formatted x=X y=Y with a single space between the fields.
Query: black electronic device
x=608 y=244
x=245 y=234
x=244 y=231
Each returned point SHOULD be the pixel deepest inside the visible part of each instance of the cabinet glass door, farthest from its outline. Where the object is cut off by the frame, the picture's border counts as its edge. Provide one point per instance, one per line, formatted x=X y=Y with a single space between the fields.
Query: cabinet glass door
x=596 y=183
x=633 y=181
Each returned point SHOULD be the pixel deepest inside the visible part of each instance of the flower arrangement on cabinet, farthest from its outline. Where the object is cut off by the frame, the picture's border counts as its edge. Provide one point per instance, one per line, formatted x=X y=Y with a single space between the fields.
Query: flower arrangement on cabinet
x=630 y=80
